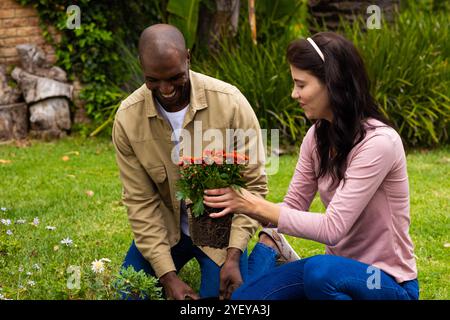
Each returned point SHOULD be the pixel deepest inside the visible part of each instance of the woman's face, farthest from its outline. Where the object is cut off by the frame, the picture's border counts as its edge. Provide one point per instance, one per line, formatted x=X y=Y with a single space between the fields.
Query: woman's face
x=311 y=94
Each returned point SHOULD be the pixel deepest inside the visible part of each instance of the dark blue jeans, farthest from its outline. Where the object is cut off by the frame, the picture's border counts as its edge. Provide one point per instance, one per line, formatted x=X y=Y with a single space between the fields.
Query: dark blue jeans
x=182 y=253
x=318 y=278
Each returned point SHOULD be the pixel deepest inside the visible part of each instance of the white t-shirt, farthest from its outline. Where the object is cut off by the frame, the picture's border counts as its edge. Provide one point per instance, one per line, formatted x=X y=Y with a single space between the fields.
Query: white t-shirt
x=176 y=121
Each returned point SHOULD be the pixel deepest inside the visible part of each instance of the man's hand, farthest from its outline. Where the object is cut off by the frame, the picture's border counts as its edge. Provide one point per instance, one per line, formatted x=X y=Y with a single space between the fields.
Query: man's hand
x=175 y=288
x=230 y=274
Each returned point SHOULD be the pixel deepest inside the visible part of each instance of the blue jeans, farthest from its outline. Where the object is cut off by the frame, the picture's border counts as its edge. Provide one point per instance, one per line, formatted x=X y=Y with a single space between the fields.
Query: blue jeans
x=182 y=253
x=321 y=277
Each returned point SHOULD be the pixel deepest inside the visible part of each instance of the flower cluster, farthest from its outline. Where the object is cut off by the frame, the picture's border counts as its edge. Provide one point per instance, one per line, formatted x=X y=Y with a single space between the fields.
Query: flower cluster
x=215 y=169
x=213 y=156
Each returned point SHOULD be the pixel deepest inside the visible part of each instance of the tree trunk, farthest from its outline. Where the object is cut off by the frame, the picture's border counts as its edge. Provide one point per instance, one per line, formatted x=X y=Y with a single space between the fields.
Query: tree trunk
x=216 y=23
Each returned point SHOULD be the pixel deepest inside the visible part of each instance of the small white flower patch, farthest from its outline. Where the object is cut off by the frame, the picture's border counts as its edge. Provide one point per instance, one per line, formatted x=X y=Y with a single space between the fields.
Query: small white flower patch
x=36 y=267
x=36 y=221
x=98 y=266
x=20 y=221
x=31 y=283
x=51 y=228
x=67 y=241
x=9 y=232
x=3 y=209
x=6 y=222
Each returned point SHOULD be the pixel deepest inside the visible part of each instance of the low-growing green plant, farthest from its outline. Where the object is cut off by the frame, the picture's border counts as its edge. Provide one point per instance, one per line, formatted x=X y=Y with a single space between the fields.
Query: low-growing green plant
x=137 y=285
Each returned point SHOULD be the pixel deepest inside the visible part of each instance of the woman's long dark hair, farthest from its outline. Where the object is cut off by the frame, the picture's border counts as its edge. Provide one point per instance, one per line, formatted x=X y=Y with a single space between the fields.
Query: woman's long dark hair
x=344 y=74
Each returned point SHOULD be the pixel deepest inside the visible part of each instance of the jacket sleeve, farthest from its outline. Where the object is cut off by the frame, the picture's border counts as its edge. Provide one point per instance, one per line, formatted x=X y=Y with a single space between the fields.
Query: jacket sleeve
x=245 y=122
x=142 y=201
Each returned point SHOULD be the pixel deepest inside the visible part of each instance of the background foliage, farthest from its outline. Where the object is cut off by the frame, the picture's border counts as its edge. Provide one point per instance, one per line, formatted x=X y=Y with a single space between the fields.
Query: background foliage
x=406 y=60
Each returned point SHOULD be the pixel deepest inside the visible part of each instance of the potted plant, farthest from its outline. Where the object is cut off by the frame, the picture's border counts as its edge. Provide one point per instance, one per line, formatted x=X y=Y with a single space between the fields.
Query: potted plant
x=215 y=169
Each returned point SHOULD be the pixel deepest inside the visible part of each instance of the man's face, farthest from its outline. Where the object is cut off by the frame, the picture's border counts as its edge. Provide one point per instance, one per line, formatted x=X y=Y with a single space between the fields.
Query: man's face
x=168 y=79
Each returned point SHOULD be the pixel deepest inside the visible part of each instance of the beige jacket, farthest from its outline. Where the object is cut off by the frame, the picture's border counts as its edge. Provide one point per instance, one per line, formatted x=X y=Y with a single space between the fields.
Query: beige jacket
x=142 y=139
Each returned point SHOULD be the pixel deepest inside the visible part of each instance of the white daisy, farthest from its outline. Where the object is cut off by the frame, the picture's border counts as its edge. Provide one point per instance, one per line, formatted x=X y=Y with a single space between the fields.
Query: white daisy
x=50 y=228
x=36 y=221
x=31 y=283
x=98 y=266
x=29 y=273
x=67 y=241
x=9 y=232
x=36 y=267
x=3 y=209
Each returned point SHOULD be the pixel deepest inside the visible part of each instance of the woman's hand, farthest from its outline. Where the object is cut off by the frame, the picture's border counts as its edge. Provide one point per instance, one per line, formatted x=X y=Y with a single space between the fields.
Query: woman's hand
x=234 y=201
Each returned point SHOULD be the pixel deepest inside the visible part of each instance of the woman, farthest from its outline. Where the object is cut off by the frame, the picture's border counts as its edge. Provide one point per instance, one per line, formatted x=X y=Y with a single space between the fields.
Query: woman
x=356 y=161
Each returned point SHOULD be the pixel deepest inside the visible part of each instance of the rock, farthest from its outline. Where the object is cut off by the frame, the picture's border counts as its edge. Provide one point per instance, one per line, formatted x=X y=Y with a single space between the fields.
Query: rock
x=8 y=95
x=13 y=121
x=50 y=118
x=34 y=61
x=36 y=88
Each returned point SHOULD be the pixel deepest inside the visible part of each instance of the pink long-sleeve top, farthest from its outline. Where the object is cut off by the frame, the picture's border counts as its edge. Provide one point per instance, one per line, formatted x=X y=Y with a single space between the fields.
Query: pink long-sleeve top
x=367 y=218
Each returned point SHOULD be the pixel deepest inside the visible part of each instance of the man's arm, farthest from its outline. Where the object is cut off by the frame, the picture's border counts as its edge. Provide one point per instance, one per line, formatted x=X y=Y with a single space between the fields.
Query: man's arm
x=142 y=202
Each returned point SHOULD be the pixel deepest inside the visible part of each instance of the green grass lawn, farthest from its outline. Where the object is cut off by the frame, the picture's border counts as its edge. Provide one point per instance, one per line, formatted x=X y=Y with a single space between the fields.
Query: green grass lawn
x=81 y=198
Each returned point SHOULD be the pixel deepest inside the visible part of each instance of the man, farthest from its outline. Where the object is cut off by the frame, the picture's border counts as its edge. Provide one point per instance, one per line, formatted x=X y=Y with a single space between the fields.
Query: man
x=175 y=98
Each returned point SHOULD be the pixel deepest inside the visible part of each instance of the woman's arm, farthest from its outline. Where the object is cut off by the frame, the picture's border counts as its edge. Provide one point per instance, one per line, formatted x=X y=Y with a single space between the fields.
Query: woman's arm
x=303 y=185
x=242 y=201
x=364 y=175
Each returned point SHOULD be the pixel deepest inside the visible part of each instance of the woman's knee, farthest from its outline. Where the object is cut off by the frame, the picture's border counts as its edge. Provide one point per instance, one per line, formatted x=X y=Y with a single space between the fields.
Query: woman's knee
x=319 y=274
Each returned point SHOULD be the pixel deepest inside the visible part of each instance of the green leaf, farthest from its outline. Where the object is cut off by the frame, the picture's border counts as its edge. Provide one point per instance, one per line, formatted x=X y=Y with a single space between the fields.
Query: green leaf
x=224 y=176
x=198 y=208
x=184 y=15
x=181 y=195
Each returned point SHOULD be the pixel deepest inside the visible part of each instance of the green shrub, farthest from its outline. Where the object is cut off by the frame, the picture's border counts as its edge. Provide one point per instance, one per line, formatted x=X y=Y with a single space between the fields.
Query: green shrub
x=408 y=63
x=137 y=285
x=260 y=71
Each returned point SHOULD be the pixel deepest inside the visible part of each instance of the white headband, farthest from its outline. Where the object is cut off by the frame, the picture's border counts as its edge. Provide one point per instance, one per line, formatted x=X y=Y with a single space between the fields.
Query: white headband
x=316 y=48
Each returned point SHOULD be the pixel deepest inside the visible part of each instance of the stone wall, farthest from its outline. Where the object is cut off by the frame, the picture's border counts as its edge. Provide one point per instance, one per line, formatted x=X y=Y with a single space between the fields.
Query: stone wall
x=20 y=24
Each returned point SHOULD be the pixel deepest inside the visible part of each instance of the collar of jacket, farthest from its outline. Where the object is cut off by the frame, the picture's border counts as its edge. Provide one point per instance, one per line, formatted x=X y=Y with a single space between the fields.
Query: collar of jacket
x=197 y=100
